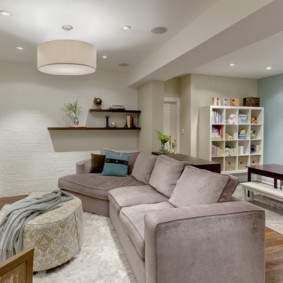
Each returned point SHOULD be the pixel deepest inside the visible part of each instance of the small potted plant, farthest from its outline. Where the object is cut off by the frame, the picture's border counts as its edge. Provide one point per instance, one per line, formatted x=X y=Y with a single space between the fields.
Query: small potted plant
x=163 y=139
x=72 y=110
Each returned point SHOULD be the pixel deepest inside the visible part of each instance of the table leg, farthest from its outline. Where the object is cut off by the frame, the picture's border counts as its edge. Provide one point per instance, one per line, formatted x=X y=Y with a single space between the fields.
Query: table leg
x=280 y=183
x=275 y=183
x=249 y=179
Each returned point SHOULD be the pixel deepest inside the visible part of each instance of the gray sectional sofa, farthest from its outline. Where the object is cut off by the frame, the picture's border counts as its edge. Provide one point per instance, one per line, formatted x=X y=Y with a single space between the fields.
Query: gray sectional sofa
x=175 y=222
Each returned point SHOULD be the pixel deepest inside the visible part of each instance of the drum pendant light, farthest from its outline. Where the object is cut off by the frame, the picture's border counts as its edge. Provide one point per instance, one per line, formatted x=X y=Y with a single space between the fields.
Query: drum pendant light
x=66 y=57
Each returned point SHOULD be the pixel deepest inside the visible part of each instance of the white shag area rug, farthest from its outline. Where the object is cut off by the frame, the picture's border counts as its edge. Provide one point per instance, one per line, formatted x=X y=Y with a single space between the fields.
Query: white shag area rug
x=101 y=260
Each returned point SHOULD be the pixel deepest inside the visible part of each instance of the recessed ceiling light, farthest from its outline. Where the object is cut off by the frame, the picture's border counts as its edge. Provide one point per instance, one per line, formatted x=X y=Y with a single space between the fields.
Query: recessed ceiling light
x=20 y=48
x=123 y=64
x=268 y=68
x=159 y=30
x=104 y=57
x=5 y=13
x=126 y=27
x=232 y=64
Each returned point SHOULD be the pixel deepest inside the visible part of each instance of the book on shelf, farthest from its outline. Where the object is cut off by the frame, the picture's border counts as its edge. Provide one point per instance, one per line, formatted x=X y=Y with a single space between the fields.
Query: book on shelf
x=216 y=151
x=130 y=122
x=216 y=117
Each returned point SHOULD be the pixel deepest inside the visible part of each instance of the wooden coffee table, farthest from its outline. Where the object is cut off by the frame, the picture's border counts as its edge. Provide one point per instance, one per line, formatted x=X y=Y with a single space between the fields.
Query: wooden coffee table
x=274 y=171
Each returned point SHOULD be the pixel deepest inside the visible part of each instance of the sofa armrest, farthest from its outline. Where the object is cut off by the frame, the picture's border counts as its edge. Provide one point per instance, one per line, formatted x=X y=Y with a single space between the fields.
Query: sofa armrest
x=83 y=166
x=217 y=243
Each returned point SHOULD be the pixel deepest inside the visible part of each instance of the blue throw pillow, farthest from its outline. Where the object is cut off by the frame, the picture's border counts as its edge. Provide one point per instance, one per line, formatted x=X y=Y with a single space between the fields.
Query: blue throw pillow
x=115 y=165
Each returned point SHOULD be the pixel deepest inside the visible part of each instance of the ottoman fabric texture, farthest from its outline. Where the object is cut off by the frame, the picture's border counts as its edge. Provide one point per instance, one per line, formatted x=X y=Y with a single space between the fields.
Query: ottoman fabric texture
x=56 y=235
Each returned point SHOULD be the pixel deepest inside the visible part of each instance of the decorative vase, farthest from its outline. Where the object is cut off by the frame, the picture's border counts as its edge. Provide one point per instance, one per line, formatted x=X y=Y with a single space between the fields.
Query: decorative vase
x=163 y=149
x=76 y=121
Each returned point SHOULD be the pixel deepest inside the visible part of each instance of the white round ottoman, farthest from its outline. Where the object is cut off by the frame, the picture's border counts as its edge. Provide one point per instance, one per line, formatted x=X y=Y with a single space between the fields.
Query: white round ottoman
x=55 y=235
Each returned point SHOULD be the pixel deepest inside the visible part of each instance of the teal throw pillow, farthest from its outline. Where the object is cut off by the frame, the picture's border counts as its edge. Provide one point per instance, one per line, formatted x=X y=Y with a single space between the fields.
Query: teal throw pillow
x=115 y=165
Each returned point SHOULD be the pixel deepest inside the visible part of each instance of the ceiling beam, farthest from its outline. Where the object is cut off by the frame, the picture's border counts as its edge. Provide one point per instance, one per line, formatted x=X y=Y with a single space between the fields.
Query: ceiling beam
x=225 y=27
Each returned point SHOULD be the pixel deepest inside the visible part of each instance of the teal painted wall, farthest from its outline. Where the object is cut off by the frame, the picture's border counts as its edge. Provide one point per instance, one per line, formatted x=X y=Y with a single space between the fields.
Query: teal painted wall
x=270 y=91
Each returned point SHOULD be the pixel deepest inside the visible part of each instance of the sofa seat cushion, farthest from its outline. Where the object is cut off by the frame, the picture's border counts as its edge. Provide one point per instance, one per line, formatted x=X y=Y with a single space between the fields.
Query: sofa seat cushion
x=134 y=195
x=132 y=221
x=95 y=185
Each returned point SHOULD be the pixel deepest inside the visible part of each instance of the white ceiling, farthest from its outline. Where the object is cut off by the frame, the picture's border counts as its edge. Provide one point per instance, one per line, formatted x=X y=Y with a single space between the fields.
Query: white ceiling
x=96 y=21
x=207 y=34
x=250 y=61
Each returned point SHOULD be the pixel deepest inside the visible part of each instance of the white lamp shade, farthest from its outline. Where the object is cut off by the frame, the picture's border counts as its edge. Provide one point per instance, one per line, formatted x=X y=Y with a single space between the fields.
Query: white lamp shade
x=66 y=57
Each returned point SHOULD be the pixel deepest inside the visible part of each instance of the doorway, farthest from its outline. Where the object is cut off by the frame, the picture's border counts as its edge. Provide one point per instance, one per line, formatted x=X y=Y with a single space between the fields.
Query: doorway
x=171 y=119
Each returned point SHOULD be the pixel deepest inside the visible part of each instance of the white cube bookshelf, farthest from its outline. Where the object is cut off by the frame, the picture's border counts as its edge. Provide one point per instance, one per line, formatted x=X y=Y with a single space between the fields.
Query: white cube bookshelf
x=235 y=145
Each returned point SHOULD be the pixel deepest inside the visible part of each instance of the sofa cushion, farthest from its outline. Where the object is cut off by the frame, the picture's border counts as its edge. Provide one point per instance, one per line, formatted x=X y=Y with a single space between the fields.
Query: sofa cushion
x=197 y=187
x=229 y=189
x=115 y=165
x=132 y=160
x=143 y=167
x=165 y=174
x=97 y=163
x=95 y=185
x=129 y=196
x=132 y=220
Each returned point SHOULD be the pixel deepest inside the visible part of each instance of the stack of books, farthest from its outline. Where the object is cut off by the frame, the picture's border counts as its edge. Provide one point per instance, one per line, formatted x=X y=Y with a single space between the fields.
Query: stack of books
x=243 y=119
x=118 y=107
x=216 y=151
x=130 y=122
x=216 y=117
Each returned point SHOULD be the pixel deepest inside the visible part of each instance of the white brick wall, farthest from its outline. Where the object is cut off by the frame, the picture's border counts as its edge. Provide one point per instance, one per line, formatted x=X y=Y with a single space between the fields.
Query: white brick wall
x=29 y=103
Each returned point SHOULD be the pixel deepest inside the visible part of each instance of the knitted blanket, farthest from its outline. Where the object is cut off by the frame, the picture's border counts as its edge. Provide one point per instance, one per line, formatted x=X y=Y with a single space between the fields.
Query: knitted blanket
x=19 y=213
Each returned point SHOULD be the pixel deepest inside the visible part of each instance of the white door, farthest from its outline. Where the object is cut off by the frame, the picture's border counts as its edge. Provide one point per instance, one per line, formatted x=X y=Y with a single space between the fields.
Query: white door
x=171 y=120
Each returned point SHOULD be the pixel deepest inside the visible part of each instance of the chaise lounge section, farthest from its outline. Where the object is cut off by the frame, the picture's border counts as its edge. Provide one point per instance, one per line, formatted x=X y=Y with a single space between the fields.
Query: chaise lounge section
x=178 y=223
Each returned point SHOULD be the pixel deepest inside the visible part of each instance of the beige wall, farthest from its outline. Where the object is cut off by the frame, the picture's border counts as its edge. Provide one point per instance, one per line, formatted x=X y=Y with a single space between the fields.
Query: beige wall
x=145 y=105
x=185 y=91
x=150 y=101
x=172 y=88
x=32 y=158
x=157 y=112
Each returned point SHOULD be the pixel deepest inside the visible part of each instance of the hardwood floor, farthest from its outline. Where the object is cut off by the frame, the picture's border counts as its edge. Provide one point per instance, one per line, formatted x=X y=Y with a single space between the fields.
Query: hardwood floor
x=8 y=200
x=273 y=257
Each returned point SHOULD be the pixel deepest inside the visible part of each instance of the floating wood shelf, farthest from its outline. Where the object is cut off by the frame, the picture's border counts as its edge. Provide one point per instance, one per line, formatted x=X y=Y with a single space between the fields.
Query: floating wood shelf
x=112 y=110
x=91 y=129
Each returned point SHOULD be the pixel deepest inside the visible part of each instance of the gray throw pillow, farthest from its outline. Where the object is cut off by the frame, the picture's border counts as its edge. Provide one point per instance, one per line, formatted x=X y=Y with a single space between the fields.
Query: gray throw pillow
x=165 y=174
x=197 y=187
x=143 y=167
x=132 y=160
x=229 y=189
